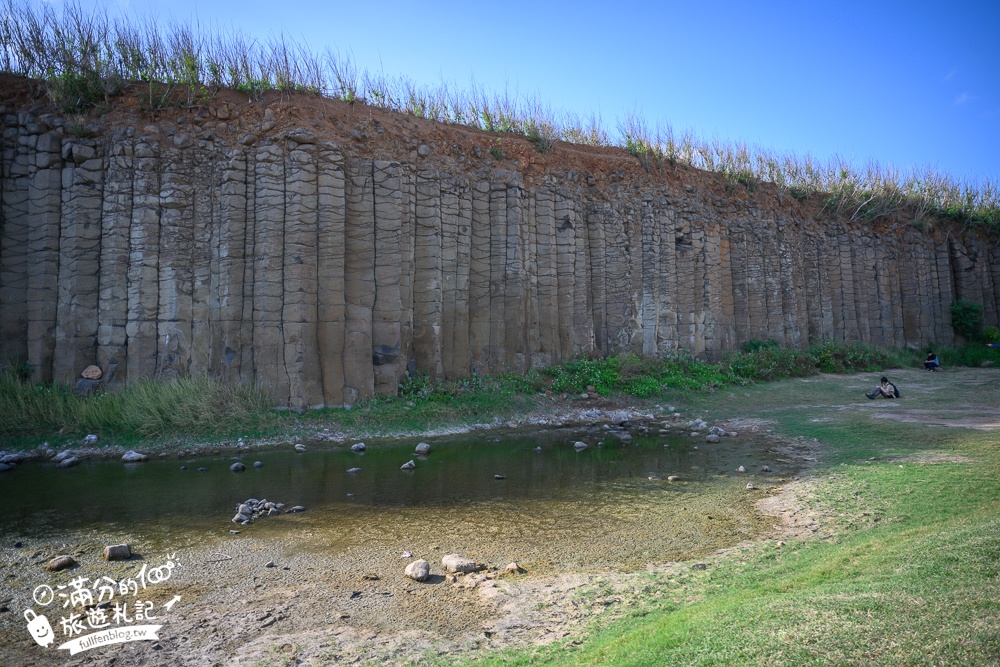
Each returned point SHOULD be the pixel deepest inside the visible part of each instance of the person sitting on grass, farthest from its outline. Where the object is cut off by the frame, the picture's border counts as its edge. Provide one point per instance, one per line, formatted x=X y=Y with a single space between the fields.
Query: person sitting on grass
x=932 y=363
x=885 y=388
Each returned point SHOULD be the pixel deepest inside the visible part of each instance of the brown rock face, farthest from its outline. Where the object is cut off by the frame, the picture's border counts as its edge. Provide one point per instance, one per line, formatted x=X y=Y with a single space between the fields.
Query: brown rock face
x=318 y=269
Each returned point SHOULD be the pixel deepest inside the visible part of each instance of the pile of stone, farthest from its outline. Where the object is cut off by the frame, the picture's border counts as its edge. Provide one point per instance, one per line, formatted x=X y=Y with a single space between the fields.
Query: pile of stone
x=459 y=570
x=252 y=509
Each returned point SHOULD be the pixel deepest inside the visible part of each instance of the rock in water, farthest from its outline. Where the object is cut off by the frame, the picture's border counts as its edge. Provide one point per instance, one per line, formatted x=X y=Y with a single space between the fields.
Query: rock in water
x=423 y=449
x=358 y=447
x=456 y=563
x=579 y=446
x=60 y=563
x=132 y=456
x=300 y=447
x=409 y=465
x=258 y=464
x=418 y=570
x=117 y=552
x=68 y=462
x=354 y=471
x=237 y=467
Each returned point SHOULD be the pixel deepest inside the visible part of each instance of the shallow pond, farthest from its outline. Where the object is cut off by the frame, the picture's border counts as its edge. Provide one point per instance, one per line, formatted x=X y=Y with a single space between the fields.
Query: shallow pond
x=550 y=493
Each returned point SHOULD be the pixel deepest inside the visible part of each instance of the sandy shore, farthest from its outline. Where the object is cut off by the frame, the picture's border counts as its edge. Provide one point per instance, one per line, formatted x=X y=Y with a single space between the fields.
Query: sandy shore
x=290 y=593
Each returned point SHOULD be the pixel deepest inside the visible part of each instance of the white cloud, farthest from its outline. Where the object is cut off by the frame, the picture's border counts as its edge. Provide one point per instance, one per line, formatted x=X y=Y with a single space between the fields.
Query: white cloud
x=963 y=99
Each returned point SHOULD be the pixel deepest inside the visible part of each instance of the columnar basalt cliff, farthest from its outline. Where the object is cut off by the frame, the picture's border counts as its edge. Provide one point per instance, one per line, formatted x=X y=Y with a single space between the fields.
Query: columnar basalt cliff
x=319 y=249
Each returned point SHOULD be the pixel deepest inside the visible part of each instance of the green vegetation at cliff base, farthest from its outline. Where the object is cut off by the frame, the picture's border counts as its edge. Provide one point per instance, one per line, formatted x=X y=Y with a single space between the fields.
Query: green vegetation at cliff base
x=202 y=408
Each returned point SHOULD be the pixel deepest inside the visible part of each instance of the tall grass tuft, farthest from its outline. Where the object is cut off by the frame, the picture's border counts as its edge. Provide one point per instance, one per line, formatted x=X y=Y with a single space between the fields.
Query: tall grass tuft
x=86 y=58
x=146 y=409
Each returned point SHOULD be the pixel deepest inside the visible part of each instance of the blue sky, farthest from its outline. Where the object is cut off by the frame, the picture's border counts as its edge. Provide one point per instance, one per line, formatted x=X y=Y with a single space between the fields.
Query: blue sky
x=913 y=84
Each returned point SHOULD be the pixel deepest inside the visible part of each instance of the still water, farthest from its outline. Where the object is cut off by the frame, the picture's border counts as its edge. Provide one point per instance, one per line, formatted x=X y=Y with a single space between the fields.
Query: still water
x=458 y=475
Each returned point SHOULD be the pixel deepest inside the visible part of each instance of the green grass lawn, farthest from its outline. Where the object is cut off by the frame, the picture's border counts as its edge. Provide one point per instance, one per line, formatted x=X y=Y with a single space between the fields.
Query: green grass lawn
x=910 y=572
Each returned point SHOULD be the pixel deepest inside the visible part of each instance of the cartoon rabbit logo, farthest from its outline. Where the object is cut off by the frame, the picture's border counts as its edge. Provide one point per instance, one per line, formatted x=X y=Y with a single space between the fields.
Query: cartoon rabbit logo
x=39 y=628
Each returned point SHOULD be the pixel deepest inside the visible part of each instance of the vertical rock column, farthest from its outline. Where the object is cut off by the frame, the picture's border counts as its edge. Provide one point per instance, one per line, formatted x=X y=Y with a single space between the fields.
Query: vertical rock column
x=549 y=324
x=480 y=284
x=684 y=297
x=726 y=324
x=388 y=307
x=666 y=327
x=41 y=262
x=330 y=244
x=566 y=291
x=230 y=267
x=79 y=261
x=407 y=241
x=597 y=246
x=516 y=307
x=116 y=218
x=205 y=304
x=176 y=275
x=943 y=291
x=18 y=163
x=427 y=278
x=793 y=316
x=449 y=275
x=268 y=272
x=497 y=356
x=299 y=302
x=700 y=313
x=583 y=307
x=359 y=281
x=459 y=342
x=651 y=285
x=144 y=258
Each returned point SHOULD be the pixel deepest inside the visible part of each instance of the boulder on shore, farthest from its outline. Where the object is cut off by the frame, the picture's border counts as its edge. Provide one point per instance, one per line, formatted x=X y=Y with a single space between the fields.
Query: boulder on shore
x=60 y=563
x=117 y=552
x=418 y=570
x=132 y=456
x=456 y=563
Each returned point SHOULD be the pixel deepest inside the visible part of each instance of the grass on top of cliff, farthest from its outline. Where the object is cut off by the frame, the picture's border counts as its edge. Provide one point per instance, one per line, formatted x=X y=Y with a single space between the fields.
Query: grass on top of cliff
x=905 y=568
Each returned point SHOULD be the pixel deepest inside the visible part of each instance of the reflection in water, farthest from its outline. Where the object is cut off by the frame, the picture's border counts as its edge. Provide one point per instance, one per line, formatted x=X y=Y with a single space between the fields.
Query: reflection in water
x=544 y=495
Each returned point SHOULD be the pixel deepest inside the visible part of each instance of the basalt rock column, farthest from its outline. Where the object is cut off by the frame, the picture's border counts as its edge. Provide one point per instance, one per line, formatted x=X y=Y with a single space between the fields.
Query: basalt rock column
x=359 y=280
x=387 y=309
x=79 y=261
x=330 y=247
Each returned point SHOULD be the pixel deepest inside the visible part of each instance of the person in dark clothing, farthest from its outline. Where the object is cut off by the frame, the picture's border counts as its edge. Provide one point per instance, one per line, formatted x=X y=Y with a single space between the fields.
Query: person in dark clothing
x=885 y=388
x=932 y=363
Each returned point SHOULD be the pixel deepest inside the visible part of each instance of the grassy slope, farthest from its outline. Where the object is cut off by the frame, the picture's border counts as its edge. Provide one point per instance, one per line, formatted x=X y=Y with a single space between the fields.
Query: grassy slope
x=911 y=577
